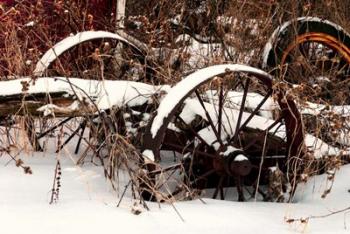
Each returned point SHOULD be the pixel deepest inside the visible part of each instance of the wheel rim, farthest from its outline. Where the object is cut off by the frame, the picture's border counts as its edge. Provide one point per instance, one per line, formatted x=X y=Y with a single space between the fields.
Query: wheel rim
x=320 y=63
x=318 y=37
x=94 y=54
x=97 y=60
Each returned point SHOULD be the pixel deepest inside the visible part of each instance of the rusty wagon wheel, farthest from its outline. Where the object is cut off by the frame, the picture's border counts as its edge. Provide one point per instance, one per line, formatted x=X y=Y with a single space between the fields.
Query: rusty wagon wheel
x=315 y=54
x=217 y=128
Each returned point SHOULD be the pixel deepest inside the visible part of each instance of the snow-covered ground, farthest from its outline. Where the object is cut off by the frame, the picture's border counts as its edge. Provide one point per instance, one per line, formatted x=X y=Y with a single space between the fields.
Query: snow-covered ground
x=87 y=204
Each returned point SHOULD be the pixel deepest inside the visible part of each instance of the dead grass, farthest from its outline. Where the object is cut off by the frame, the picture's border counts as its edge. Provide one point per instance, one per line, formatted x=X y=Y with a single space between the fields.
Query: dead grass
x=30 y=28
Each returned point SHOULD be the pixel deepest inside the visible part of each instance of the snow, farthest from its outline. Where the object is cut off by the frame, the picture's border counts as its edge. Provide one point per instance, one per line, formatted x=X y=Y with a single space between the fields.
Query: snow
x=240 y=157
x=199 y=54
x=208 y=135
x=30 y=24
x=88 y=205
x=173 y=127
x=193 y=108
x=315 y=109
x=103 y=94
x=230 y=149
x=272 y=169
x=177 y=93
x=319 y=147
x=50 y=109
x=252 y=101
x=148 y=154
x=70 y=42
x=108 y=94
x=323 y=112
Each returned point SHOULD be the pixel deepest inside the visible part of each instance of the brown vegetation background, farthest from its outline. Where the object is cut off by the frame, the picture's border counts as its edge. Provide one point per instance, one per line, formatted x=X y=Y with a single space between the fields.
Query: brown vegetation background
x=22 y=44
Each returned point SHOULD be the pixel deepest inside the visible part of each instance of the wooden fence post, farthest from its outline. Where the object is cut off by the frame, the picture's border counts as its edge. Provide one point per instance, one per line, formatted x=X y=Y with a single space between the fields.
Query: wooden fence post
x=120 y=14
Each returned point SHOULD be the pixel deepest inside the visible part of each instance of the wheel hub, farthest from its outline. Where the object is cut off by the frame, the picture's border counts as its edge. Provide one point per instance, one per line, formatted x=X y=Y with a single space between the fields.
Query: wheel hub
x=232 y=162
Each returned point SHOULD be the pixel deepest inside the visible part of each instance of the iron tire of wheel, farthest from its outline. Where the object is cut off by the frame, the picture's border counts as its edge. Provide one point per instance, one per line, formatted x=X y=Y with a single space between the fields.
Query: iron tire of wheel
x=79 y=50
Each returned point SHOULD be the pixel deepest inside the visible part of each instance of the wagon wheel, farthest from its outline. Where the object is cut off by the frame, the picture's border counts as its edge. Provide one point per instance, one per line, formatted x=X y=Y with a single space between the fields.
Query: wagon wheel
x=95 y=55
x=313 y=55
x=92 y=55
x=219 y=128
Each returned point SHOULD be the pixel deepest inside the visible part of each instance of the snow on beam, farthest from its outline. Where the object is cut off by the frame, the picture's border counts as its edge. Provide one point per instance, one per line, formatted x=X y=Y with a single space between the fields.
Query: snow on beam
x=68 y=94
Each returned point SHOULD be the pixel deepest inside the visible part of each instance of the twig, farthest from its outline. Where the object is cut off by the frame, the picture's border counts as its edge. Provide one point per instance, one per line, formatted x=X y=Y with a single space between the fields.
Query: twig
x=121 y=198
x=305 y=220
x=56 y=183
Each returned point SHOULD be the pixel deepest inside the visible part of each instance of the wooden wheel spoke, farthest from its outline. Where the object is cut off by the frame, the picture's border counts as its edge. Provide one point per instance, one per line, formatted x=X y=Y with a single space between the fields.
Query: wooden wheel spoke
x=241 y=110
x=254 y=112
x=182 y=149
x=191 y=129
x=276 y=130
x=219 y=188
x=221 y=107
x=209 y=118
x=262 y=133
x=271 y=126
x=201 y=177
x=172 y=167
x=41 y=135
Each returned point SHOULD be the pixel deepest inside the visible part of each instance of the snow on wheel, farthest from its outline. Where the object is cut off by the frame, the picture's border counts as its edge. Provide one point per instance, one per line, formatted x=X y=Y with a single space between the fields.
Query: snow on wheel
x=94 y=55
x=220 y=127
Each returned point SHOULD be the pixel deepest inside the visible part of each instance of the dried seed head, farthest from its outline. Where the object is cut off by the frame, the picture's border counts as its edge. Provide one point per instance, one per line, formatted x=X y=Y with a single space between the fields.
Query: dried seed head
x=27 y=170
x=25 y=86
x=90 y=18
x=290 y=220
x=325 y=193
x=19 y=162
